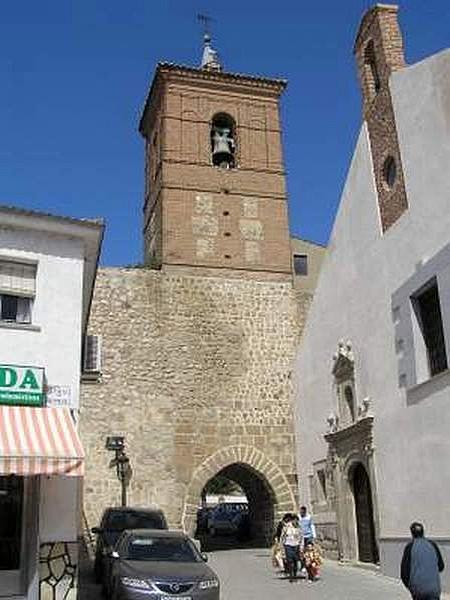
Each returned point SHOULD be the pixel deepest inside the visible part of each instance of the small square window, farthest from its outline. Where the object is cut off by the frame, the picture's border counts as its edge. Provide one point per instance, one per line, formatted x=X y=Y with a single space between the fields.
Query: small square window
x=300 y=264
x=428 y=312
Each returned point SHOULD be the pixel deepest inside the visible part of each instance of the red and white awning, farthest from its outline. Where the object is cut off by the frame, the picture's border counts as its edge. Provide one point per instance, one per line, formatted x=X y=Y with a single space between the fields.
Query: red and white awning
x=39 y=441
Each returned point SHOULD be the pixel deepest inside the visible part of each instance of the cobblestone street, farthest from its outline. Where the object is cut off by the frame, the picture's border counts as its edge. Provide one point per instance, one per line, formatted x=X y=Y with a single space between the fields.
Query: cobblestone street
x=247 y=575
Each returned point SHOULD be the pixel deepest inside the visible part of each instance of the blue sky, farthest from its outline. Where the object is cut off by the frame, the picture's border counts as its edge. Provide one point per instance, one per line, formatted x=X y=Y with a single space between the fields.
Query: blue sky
x=75 y=74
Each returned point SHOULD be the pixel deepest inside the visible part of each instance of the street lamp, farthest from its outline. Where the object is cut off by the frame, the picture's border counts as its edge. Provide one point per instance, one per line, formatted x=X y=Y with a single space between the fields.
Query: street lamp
x=116 y=444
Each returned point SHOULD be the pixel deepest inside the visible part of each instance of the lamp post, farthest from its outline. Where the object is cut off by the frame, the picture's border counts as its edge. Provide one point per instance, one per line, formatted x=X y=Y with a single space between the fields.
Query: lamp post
x=116 y=444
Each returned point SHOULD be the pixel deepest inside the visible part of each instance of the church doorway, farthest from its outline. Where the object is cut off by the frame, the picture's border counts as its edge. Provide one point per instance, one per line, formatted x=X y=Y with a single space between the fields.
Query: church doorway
x=365 y=527
x=237 y=509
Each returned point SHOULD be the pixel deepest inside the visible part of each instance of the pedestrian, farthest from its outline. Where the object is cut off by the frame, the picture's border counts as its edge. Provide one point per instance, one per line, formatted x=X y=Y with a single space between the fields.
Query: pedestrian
x=291 y=538
x=309 y=531
x=308 y=527
x=278 y=557
x=421 y=564
x=312 y=560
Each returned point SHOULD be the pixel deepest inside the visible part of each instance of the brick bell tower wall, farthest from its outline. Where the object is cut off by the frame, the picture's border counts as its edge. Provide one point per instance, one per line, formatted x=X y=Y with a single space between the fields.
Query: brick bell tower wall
x=198 y=345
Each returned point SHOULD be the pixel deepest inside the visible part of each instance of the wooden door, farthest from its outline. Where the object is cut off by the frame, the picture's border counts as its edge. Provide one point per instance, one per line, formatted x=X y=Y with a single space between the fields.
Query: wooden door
x=367 y=546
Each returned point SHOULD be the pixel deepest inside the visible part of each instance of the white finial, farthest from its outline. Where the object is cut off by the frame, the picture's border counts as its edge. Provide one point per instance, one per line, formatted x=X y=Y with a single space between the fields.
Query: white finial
x=210 y=58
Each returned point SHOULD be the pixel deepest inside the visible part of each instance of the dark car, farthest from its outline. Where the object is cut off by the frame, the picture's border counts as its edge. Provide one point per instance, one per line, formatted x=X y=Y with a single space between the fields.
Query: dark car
x=113 y=522
x=160 y=565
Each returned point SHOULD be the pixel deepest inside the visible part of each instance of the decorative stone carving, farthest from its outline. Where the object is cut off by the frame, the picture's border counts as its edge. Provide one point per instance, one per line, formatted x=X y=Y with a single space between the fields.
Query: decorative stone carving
x=364 y=408
x=333 y=423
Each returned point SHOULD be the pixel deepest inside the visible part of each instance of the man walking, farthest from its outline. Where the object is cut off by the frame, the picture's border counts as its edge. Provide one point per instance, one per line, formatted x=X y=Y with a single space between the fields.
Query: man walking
x=421 y=564
x=308 y=527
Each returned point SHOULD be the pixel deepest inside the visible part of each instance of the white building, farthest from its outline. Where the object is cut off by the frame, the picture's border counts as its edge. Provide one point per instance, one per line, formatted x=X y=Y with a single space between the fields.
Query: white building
x=372 y=377
x=47 y=271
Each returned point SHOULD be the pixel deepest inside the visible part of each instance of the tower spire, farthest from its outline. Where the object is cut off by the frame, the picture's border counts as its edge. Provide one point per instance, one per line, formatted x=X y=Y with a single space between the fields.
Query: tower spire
x=210 y=57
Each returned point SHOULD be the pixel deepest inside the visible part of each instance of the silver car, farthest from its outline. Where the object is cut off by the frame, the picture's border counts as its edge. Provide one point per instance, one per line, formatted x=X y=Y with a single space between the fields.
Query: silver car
x=160 y=565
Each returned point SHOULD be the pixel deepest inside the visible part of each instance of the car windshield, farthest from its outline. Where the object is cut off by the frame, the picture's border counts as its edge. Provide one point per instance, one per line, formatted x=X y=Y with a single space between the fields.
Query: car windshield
x=118 y=521
x=162 y=549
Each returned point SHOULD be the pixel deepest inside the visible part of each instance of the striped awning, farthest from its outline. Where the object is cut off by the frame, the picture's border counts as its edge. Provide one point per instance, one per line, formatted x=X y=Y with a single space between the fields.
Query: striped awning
x=39 y=441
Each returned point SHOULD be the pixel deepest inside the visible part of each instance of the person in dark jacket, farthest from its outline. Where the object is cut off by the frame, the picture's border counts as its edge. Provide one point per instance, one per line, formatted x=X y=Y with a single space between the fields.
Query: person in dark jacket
x=421 y=564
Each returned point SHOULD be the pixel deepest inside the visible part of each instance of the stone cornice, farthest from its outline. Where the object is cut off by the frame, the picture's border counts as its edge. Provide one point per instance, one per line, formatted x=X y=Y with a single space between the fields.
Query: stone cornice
x=363 y=425
x=173 y=72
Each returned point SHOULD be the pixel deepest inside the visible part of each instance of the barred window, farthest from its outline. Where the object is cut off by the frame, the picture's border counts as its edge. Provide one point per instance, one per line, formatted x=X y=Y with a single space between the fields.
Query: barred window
x=92 y=358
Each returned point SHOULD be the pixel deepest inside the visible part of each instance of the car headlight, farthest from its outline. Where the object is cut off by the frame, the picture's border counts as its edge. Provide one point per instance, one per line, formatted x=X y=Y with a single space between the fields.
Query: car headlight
x=208 y=584
x=136 y=583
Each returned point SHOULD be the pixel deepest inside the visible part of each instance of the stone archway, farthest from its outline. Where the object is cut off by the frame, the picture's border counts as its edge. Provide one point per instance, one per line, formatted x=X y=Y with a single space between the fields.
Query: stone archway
x=266 y=486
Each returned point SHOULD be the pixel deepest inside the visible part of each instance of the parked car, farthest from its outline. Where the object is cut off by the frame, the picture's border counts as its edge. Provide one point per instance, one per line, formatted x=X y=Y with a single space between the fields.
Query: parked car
x=226 y=518
x=113 y=522
x=162 y=565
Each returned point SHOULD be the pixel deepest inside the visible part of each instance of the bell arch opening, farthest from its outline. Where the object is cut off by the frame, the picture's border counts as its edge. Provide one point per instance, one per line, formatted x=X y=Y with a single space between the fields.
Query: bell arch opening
x=223 y=141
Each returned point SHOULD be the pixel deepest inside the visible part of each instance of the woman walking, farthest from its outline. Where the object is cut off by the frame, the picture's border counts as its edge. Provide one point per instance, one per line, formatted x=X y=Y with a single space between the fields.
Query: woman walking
x=291 y=538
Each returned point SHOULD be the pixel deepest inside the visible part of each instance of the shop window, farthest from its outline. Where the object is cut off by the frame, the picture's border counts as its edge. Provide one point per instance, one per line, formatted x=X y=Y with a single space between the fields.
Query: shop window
x=11 y=510
x=301 y=264
x=92 y=362
x=427 y=308
x=17 y=291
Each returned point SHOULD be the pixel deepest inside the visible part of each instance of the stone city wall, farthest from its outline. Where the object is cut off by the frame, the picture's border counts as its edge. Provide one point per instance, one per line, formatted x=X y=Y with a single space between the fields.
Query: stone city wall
x=191 y=365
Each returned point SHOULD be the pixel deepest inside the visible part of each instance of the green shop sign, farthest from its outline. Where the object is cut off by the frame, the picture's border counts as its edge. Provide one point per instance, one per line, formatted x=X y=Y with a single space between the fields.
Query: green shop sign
x=21 y=385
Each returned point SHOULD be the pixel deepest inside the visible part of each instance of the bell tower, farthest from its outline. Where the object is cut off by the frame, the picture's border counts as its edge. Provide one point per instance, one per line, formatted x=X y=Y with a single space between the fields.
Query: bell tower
x=215 y=194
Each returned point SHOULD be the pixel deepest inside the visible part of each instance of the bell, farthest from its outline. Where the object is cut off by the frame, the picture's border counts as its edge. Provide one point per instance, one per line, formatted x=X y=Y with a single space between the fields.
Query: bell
x=223 y=146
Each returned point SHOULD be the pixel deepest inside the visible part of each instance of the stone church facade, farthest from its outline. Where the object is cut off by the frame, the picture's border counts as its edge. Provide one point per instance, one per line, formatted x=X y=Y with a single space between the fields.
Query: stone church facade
x=197 y=345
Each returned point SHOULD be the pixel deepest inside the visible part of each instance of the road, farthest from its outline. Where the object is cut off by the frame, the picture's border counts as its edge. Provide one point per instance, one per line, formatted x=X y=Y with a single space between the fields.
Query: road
x=248 y=575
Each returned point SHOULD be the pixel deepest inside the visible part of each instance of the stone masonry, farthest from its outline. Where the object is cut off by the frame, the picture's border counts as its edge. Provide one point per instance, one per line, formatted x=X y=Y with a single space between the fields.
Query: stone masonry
x=193 y=368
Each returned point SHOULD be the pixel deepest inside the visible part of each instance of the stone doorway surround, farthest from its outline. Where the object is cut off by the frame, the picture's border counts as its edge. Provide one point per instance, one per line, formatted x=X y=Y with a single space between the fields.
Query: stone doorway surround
x=254 y=471
x=349 y=448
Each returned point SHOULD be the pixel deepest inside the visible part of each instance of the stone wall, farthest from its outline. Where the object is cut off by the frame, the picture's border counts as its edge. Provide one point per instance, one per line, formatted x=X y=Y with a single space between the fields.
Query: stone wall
x=192 y=366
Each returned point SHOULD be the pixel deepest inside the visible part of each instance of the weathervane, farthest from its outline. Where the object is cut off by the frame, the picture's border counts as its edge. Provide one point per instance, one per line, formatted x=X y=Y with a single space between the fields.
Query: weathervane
x=206 y=21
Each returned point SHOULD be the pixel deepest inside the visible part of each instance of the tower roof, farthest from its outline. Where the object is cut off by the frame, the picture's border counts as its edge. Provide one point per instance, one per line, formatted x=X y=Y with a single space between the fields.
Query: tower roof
x=165 y=70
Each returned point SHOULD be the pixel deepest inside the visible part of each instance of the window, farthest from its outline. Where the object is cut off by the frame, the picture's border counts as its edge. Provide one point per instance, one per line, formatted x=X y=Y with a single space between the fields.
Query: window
x=11 y=509
x=223 y=143
x=371 y=69
x=300 y=264
x=390 y=171
x=17 y=291
x=348 y=394
x=92 y=354
x=322 y=480
x=428 y=312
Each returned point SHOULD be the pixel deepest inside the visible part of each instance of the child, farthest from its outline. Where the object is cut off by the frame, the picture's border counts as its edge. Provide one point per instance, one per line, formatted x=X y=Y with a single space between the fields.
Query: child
x=312 y=561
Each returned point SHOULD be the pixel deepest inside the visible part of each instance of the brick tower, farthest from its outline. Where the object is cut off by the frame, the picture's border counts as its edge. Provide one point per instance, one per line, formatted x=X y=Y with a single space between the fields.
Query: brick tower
x=379 y=52
x=215 y=193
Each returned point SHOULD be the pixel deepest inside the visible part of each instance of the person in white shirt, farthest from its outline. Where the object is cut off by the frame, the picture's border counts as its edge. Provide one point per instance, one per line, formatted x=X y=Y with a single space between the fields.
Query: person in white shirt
x=291 y=538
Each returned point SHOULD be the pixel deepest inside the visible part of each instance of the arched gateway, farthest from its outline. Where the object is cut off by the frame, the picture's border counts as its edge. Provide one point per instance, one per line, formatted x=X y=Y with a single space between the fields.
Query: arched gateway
x=265 y=485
